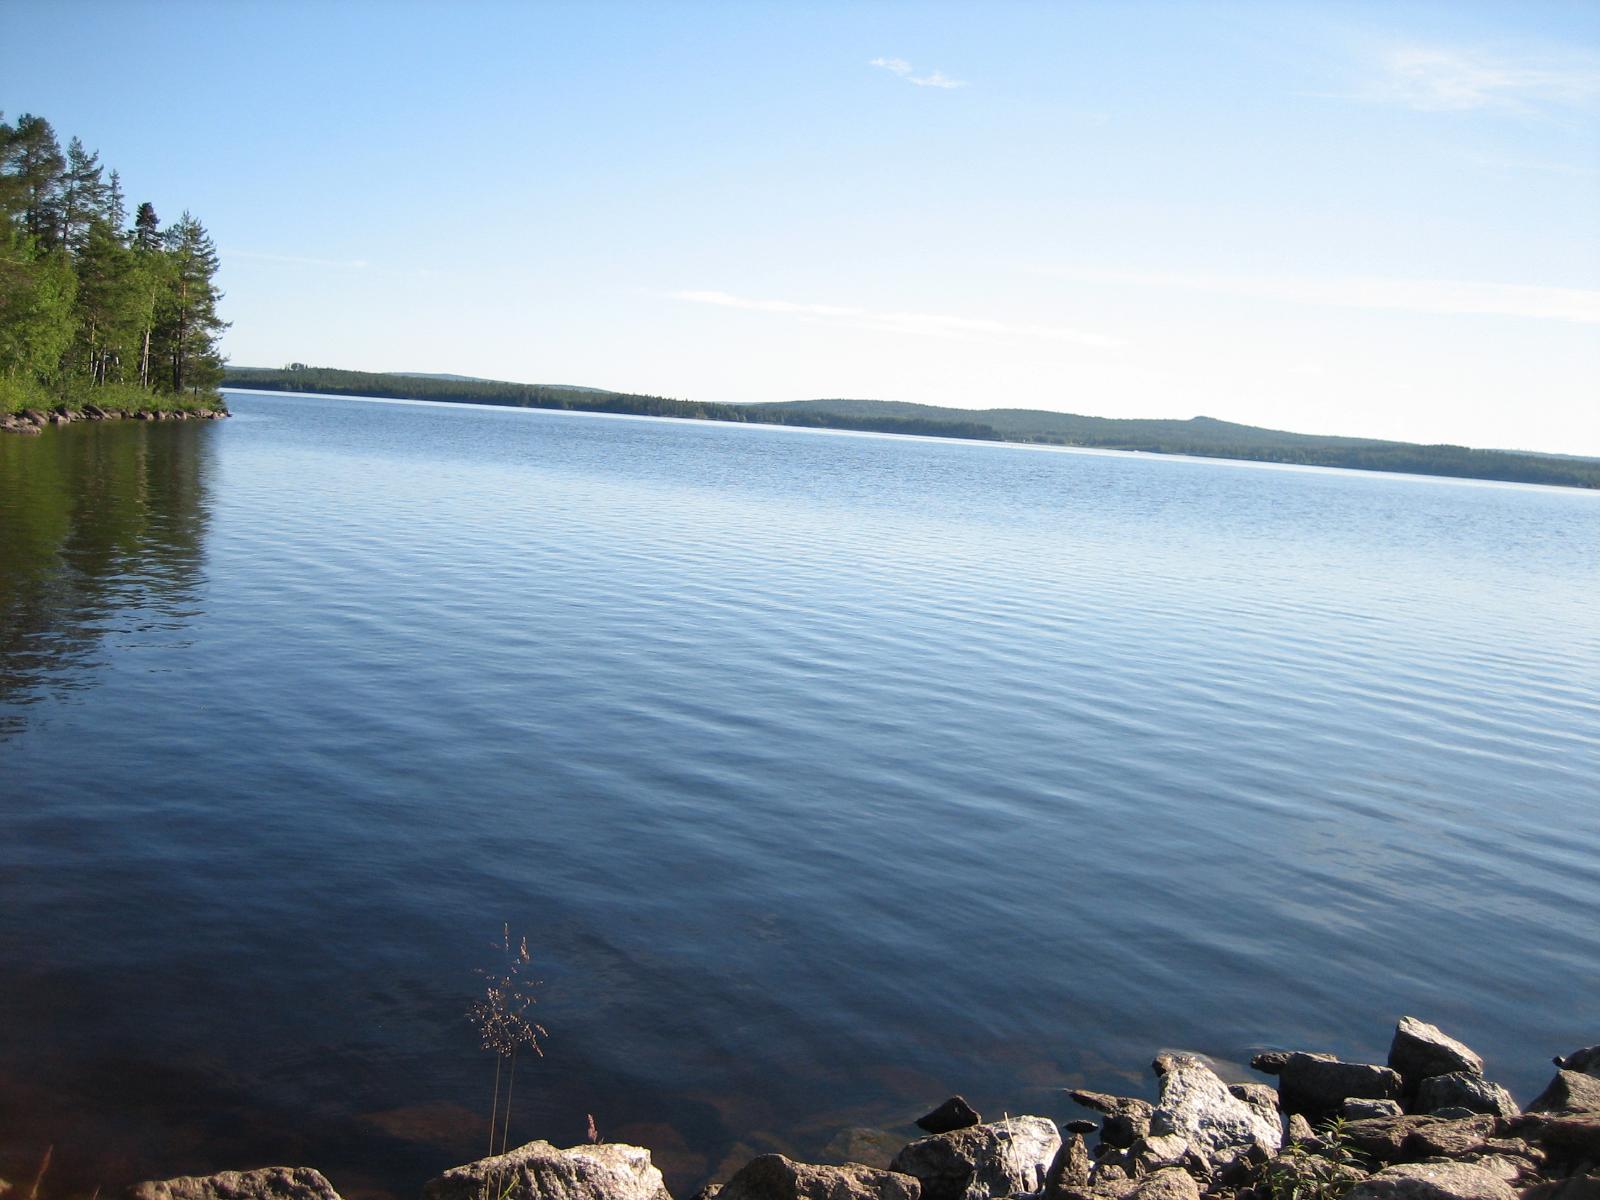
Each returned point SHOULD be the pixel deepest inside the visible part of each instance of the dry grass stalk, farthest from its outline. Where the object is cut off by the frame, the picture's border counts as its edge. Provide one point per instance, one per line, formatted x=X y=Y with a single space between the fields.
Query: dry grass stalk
x=504 y=1027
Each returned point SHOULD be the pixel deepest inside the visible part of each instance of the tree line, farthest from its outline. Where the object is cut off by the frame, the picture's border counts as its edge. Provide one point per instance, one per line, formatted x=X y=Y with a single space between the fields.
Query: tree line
x=1198 y=436
x=95 y=307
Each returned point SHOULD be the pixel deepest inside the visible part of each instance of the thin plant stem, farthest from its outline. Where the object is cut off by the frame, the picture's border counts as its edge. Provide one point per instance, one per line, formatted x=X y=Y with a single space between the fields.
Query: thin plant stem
x=495 y=1111
x=511 y=1081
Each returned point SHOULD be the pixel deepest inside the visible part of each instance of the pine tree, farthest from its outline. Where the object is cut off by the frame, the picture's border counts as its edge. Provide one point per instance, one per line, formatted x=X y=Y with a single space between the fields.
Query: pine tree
x=147 y=228
x=33 y=158
x=115 y=211
x=188 y=327
x=83 y=195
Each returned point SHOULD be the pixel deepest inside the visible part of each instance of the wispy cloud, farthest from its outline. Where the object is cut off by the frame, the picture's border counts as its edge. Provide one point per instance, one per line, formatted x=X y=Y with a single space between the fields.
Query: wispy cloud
x=296 y=260
x=1442 y=79
x=1442 y=297
x=900 y=67
x=923 y=324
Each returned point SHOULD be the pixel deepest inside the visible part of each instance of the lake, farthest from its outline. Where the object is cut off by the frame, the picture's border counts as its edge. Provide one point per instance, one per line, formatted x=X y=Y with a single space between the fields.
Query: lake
x=827 y=774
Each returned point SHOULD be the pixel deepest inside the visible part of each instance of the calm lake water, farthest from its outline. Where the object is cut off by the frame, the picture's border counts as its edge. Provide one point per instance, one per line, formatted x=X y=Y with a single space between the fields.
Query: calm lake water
x=827 y=774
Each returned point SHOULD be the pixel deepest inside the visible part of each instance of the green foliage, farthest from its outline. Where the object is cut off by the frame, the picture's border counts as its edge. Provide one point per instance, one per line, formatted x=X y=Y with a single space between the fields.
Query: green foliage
x=1200 y=436
x=1324 y=1169
x=85 y=305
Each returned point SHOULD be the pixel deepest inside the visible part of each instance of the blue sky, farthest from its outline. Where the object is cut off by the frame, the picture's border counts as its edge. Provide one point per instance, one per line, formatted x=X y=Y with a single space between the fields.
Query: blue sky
x=1375 y=219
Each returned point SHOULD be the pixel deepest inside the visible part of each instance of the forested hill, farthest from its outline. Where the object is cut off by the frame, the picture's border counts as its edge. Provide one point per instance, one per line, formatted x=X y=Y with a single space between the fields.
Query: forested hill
x=1201 y=436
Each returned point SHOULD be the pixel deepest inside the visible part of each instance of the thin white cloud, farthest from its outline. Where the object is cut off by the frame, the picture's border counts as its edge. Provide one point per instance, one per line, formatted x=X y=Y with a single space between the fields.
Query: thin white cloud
x=900 y=67
x=1443 y=297
x=1441 y=79
x=294 y=259
x=922 y=324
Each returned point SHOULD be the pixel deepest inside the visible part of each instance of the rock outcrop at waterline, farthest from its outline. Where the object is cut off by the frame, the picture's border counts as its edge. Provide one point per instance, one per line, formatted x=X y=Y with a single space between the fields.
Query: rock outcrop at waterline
x=31 y=421
x=1405 y=1130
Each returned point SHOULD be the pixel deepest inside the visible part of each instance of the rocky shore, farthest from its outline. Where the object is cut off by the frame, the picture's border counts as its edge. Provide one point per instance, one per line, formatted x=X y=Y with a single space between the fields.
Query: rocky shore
x=31 y=421
x=1424 y=1125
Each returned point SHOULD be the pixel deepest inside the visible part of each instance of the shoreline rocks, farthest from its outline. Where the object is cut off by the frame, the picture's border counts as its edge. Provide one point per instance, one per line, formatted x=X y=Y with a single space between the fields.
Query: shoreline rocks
x=31 y=421
x=1405 y=1131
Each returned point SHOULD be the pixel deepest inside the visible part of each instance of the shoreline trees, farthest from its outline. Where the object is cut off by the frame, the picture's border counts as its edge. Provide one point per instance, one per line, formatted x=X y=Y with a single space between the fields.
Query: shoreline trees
x=91 y=310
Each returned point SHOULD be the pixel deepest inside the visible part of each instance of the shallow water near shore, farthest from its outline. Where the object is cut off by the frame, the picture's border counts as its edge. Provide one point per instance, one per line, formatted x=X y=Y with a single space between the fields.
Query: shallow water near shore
x=827 y=774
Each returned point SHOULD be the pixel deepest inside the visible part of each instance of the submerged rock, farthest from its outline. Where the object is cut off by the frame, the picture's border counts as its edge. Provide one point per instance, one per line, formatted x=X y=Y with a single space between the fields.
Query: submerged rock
x=539 y=1171
x=954 y=1113
x=774 y=1177
x=267 y=1183
x=1001 y=1158
x=1464 y=1090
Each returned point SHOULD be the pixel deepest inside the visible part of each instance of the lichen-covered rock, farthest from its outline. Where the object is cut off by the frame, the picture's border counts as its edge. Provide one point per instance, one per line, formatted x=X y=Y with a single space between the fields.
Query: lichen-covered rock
x=1420 y=1050
x=1197 y=1106
x=954 y=1113
x=1464 y=1090
x=1569 y=1091
x=1127 y=1119
x=267 y=1183
x=1432 y=1181
x=1318 y=1086
x=774 y=1177
x=1001 y=1158
x=540 y=1171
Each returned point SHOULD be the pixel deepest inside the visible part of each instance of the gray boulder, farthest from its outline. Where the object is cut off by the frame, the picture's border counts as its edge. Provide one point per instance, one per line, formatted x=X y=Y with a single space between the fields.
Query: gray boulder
x=1317 y=1085
x=1260 y=1096
x=1569 y=1091
x=1071 y=1169
x=1450 y=1139
x=1001 y=1158
x=1383 y=1138
x=1365 y=1110
x=1196 y=1106
x=1433 y=1181
x=1297 y=1129
x=1576 y=1136
x=1169 y=1183
x=954 y=1113
x=774 y=1177
x=268 y=1183
x=1420 y=1050
x=1127 y=1119
x=539 y=1171
x=1585 y=1061
x=1464 y=1090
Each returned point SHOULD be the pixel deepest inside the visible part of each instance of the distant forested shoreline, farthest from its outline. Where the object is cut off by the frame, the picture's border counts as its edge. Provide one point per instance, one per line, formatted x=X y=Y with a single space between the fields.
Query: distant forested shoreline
x=98 y=312
x=1199 y=436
